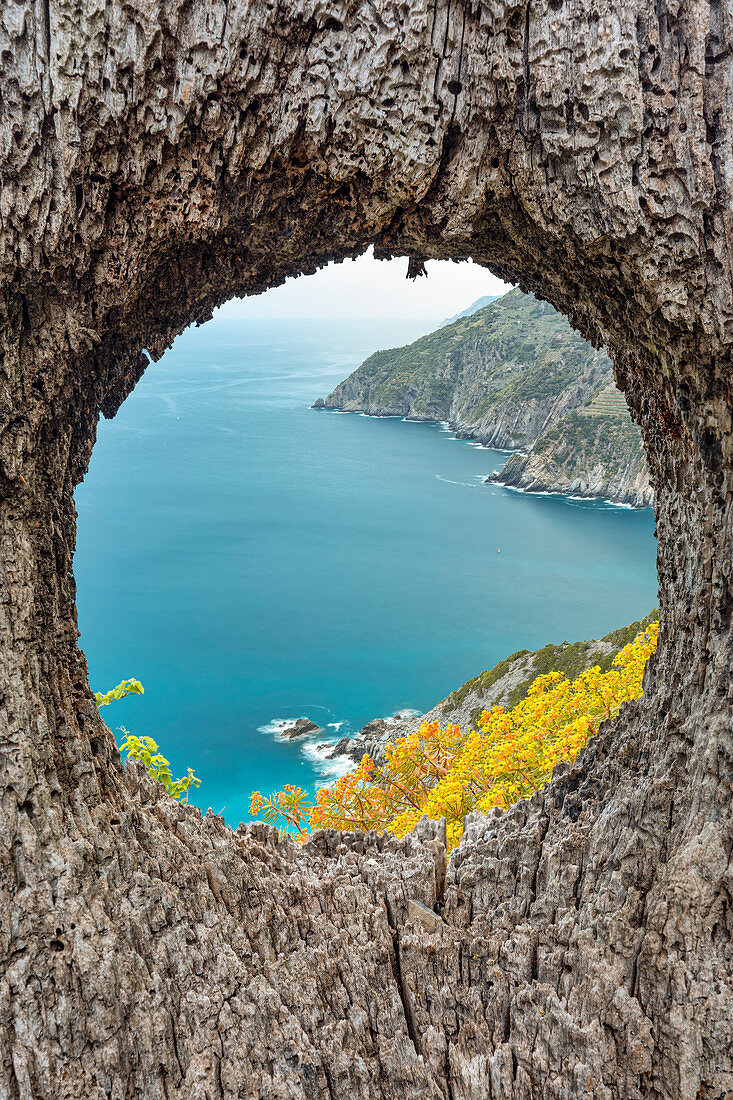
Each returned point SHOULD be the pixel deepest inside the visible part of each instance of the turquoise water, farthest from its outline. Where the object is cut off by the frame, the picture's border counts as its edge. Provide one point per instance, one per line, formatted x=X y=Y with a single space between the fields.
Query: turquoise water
x=250 y=559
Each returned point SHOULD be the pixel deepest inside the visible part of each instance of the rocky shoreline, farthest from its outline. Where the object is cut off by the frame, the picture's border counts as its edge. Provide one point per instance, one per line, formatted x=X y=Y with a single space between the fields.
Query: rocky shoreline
x=584 y=457
x=529 y=472
x=631 y=490
x=373 y=737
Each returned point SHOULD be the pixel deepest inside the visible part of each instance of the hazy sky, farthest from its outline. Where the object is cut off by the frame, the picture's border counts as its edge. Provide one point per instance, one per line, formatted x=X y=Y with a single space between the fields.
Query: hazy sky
x=373 y=288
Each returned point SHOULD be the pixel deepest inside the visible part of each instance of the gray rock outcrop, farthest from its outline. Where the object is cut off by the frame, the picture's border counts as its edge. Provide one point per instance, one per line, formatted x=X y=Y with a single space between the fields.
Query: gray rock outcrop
x=584 y=456
x=300 y=728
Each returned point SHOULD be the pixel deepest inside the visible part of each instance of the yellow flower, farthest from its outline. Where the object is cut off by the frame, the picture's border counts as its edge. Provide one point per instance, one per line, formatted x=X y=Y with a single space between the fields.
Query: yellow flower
x=442 y=773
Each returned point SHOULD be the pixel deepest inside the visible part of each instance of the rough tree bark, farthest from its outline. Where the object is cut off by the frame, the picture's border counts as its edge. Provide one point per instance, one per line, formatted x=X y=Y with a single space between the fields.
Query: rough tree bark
x=157 y=158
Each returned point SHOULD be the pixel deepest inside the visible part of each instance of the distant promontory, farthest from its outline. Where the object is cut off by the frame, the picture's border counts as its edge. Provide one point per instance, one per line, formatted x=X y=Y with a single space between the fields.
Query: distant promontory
x=514 y=375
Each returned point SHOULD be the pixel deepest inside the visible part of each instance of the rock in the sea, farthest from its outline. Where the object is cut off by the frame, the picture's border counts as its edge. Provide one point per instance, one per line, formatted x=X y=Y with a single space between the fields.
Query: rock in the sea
x=319 y=403
x=374 y=736
x=300 y=728
x=375 y=728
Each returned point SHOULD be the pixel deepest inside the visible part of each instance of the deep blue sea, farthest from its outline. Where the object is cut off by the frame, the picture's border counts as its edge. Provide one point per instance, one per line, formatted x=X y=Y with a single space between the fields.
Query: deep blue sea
x=251 y=560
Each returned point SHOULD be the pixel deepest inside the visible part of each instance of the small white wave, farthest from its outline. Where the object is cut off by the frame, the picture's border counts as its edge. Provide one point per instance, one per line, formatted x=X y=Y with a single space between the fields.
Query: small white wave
x=532 y=492
x=277 y=725
x=567 y=497
x=318 y=752
x=449 y=481
x=401 y=715
x=335 y=725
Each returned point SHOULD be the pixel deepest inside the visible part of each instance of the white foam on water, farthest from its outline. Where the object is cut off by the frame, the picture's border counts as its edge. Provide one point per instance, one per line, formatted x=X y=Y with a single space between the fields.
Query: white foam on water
x=318 y=753
x=449 y=481
x=567 y=496
x=277 y=725
x=401 y=715
x=335 y=725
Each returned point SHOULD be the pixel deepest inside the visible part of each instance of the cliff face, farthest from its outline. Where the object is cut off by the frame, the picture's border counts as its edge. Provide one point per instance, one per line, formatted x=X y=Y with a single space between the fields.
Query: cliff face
x=509 y=376
x=585 y=456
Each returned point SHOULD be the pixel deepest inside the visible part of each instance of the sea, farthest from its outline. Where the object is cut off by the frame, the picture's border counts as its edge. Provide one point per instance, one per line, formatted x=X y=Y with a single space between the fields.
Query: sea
x=252 y=560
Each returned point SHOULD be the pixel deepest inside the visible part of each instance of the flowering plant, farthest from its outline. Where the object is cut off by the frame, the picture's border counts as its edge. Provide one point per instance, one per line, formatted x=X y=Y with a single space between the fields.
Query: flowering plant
x=441 y=772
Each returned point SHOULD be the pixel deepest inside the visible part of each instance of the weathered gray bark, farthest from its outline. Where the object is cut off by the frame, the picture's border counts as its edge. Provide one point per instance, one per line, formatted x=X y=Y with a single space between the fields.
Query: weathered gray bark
x=159 y=158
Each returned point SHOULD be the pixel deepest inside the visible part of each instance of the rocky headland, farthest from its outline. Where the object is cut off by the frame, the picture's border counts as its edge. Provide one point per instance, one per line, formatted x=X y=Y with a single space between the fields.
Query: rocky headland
x=514 y=375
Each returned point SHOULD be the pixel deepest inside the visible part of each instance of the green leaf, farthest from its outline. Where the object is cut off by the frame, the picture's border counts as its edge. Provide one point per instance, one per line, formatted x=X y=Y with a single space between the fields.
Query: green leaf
x=123 y=689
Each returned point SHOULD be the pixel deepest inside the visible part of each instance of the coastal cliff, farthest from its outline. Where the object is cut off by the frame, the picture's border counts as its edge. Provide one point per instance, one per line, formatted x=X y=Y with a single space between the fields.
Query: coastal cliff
x=585 y=455
x=514 y=375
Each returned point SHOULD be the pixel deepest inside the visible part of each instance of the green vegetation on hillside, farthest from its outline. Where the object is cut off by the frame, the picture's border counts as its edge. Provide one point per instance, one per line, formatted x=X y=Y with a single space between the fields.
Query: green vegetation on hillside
x=610 y=439
x=480 y=684
x=568 y=658
x=517 y=347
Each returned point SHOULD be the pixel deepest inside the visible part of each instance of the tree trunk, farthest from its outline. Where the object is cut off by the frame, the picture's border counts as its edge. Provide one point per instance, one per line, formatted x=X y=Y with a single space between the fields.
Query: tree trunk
x=158 y=159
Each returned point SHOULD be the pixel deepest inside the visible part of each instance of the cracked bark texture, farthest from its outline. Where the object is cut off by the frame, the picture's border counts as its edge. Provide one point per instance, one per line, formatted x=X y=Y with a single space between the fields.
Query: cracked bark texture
x=158 y=158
